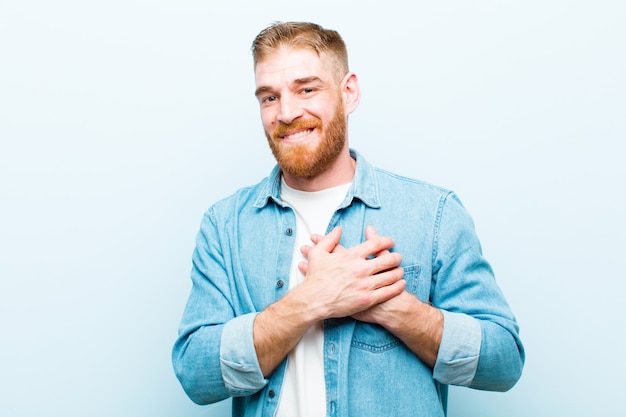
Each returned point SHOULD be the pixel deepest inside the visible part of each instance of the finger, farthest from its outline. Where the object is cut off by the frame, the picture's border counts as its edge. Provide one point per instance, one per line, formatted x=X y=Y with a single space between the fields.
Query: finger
x=371 y=233
x=303 y=267
x=305 y=249
x=328 y=242
x=385 y=262
x=386 y=278
x=387 y=292
x=315 y=238
x=385 y=286
x=388 y=284
x=374 y=245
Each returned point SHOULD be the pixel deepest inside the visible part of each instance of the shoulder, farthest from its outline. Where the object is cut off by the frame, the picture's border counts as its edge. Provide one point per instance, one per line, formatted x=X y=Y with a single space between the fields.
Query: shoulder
x=239 y=201
x=379 y=186
x=390 y=181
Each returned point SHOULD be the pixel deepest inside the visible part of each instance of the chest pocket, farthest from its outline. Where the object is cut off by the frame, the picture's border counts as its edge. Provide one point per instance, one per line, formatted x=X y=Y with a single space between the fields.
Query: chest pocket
x=373 y=337
x=416 y=286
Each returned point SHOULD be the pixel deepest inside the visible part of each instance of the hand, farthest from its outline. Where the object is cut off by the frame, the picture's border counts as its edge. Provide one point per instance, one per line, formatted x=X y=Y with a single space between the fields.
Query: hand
x=417 y=324
x=386 y=311
x=339 y=282
x=343 y=281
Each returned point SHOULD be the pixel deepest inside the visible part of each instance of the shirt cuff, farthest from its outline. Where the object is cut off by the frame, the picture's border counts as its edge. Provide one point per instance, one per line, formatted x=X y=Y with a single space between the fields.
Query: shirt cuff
x=459 y=350
x=238 y=361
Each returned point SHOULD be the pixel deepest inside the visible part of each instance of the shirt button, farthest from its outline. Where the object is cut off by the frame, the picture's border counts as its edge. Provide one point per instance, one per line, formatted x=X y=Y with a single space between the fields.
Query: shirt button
x=289 y=231
x=271 y=393
x=280 y=283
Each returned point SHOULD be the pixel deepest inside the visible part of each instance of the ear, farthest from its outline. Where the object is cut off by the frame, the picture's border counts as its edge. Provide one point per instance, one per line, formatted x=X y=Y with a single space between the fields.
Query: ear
x=350 y=92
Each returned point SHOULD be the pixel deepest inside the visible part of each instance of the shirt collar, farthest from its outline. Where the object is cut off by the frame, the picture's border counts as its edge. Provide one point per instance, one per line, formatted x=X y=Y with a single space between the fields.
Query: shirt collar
x=364 y=186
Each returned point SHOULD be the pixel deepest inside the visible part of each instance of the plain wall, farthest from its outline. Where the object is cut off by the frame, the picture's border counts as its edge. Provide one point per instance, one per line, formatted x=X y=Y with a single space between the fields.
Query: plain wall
x=122 y=121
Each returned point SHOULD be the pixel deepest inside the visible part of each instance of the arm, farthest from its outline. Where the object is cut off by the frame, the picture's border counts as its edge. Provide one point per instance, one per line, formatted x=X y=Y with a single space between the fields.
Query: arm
x=213 y=356
x=196 y=352
x=480 y=345
x=471 y=337
x=417 y=324
x=220 y=353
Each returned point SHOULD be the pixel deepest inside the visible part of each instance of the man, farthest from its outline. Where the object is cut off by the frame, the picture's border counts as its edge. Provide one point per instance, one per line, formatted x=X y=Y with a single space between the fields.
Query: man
x=332 y=287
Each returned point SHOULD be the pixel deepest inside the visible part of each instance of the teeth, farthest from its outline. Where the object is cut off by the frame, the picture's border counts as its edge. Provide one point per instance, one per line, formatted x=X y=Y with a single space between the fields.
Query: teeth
x=298 y=135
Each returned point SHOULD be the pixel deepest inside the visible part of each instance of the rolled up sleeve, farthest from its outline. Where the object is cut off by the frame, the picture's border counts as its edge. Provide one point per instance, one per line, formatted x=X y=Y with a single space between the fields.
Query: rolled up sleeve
x=238 y=360
x=459 y=350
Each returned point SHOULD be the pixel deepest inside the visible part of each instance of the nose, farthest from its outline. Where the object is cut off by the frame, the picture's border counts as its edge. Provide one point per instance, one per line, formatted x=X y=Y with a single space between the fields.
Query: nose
x=290 y=110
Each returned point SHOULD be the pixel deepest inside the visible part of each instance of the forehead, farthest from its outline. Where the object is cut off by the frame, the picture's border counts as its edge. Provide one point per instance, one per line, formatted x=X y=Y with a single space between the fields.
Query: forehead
x=289 y=64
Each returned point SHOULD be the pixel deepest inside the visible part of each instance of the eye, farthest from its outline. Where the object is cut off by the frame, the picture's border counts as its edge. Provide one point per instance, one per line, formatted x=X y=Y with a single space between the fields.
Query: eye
x=307 y=90
x=268 y=99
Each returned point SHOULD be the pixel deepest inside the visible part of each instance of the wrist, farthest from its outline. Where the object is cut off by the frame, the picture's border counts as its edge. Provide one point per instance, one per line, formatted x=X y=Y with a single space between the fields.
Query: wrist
x=296 y=310
x=412 y=316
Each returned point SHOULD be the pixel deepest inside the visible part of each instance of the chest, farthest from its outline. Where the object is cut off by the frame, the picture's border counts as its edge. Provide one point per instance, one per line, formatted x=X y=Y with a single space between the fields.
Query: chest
x=262 y=255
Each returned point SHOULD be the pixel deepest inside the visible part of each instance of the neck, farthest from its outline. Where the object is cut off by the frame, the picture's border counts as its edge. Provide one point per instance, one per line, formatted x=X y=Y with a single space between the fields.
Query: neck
x=340 y=172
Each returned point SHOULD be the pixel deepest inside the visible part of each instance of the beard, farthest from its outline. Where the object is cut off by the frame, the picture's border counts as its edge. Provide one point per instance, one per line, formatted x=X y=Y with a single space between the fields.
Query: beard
x=307 y=160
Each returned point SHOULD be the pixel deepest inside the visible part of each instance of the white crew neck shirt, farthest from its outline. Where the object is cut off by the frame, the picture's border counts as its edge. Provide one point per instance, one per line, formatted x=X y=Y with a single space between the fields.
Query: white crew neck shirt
x=304 y=388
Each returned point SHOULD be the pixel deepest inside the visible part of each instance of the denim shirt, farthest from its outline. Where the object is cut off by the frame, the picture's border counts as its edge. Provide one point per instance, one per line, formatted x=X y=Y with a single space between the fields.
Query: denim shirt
x=241 y=265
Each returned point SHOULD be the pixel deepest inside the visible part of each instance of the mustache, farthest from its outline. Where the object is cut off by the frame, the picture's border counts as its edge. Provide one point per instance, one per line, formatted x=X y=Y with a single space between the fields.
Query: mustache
x=282 y=129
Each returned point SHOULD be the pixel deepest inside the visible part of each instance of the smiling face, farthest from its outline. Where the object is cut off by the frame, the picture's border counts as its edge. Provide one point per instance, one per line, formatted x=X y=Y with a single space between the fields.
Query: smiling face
x=302 y=110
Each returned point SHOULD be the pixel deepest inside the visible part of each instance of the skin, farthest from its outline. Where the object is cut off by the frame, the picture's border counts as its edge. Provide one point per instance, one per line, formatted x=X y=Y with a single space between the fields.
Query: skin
x=365 y=281
x=417 y=324
x=297 y=86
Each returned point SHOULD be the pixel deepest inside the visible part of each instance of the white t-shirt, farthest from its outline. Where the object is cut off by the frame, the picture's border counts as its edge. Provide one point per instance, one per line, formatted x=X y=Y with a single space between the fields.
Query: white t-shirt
x=304 y=389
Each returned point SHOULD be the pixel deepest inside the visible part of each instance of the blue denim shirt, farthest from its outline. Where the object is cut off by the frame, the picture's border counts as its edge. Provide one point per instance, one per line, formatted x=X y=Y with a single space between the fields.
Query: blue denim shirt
x=241 y=265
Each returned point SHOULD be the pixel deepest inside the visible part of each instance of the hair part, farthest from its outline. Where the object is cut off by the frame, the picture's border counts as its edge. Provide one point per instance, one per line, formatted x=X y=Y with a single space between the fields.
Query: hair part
x=303 y=35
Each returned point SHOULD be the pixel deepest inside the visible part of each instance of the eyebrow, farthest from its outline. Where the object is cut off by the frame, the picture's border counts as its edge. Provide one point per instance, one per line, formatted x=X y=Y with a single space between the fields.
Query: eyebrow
x=261 y=90
x=307 y=80
x=297 y=81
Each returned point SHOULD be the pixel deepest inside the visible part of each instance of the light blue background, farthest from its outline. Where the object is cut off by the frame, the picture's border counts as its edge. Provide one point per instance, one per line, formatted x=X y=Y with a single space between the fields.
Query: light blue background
x=122 y=121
